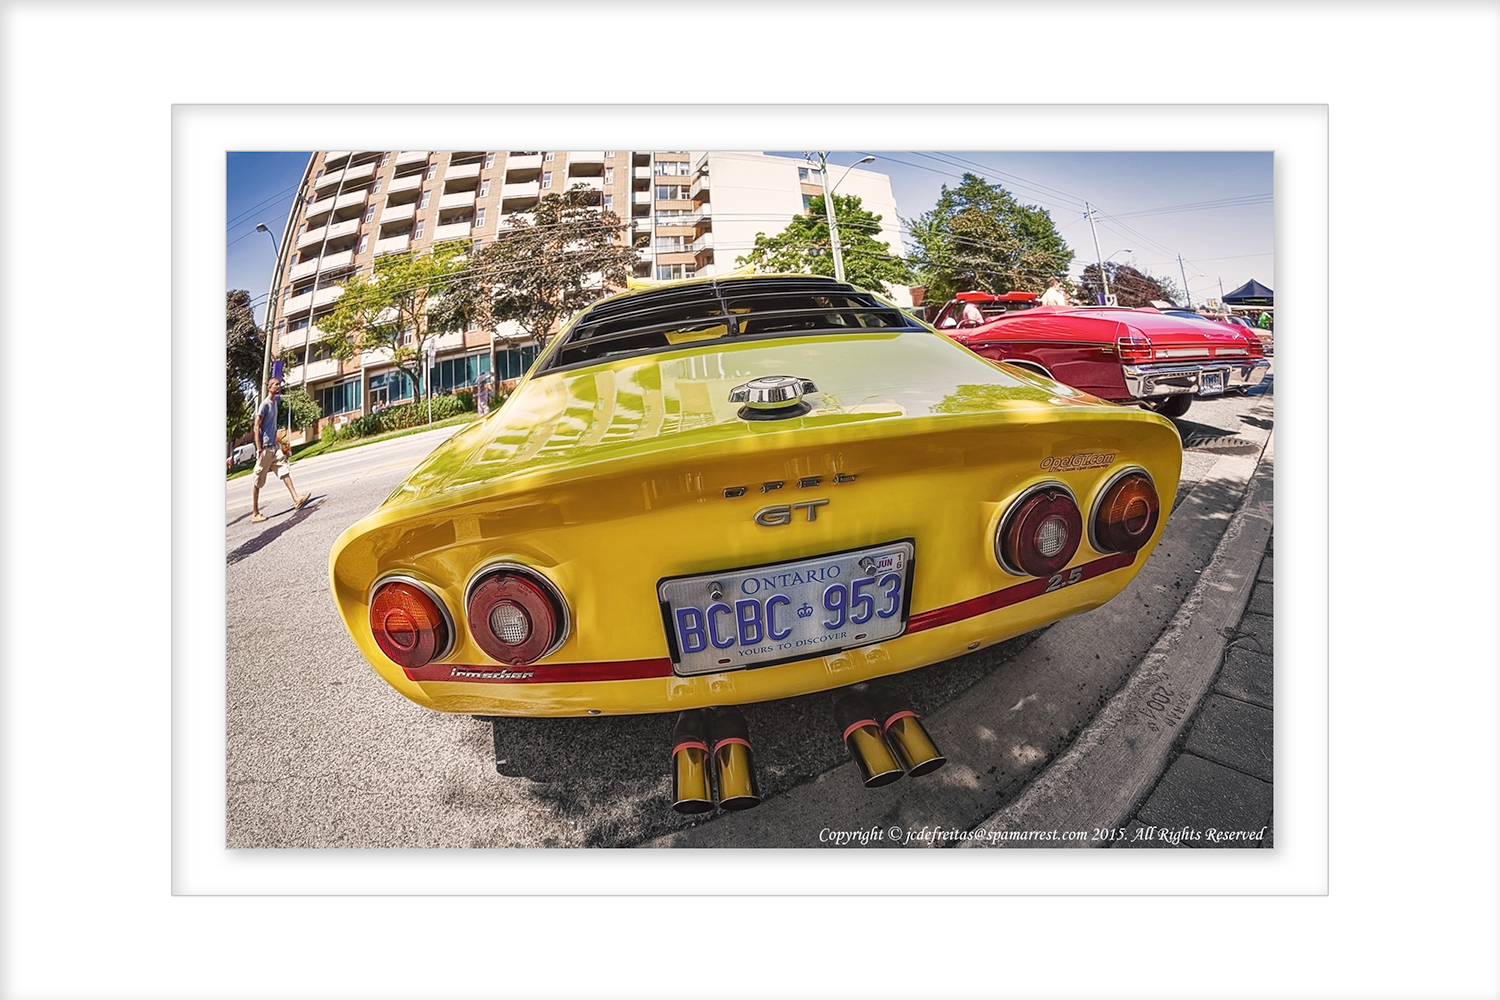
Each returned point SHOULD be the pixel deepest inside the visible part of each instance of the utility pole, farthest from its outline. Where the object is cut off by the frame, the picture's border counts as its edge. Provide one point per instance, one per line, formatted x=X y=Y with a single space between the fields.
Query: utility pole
x=1221 y=293
x=1103 y=278
x=1185 y=290
x=833 y=225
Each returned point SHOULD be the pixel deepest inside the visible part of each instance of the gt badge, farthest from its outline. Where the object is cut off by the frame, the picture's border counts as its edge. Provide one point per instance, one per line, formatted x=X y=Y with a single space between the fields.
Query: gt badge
x=782 y=513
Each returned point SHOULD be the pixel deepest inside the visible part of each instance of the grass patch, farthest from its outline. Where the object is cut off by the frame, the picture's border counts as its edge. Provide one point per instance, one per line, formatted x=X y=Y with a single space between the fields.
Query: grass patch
x=319 y=447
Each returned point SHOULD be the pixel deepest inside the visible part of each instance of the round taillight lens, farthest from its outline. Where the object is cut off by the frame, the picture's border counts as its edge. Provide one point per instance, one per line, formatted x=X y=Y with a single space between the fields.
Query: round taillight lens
x=1040 y=533
x=514 y=618
x=1126 y=514
x=409 y=624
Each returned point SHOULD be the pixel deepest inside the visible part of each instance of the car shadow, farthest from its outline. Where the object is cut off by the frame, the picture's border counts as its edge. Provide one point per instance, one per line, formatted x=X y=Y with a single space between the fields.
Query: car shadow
x=270 y=534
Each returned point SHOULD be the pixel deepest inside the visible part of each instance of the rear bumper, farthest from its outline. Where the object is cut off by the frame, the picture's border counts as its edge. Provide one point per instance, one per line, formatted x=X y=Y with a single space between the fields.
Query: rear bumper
x=1155 y=381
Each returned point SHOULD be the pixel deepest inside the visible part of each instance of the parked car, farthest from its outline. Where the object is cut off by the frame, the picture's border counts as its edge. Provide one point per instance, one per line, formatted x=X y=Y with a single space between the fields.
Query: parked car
x=1124 y=355
x=1264 y=336
x=244 y=453
x=722 y=492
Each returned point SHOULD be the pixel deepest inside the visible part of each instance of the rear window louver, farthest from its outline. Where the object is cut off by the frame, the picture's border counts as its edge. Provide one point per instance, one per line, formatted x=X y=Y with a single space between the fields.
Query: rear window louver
x=666 y=318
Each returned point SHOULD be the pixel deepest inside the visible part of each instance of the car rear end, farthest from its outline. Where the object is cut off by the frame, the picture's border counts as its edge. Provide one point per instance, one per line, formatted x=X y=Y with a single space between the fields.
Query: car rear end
x=627 y=535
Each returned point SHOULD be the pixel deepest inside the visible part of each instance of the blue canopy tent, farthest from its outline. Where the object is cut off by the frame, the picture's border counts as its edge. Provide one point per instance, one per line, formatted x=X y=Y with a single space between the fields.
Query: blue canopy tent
x=1252 y=294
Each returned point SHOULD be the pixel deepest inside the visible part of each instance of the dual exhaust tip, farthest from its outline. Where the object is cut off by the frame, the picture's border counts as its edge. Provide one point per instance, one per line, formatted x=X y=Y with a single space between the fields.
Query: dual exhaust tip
x=709 y=741
x=885 y=739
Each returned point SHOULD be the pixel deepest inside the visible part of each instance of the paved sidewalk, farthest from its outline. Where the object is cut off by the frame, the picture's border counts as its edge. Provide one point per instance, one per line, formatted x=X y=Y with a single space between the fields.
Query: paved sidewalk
x=1220 y=775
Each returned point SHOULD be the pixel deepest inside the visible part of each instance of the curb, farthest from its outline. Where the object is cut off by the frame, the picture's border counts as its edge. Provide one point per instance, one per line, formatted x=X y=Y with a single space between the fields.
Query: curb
x=1103 y=778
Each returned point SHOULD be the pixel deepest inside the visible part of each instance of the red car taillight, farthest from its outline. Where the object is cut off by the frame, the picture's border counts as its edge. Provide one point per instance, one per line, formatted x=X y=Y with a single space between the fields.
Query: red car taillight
x=1125 y=514
x=1040 y=532
x=515 y=618
x=410 y=625
x=1133 y=346
x=1257 y=349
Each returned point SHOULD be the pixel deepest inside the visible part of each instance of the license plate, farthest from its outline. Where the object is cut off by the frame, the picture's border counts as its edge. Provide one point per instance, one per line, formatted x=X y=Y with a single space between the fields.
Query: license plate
x=760 y=615
x=1211 y=383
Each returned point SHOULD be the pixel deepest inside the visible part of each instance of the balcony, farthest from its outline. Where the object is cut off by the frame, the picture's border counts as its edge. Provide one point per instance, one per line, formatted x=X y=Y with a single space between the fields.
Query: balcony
x=396 y=213
x=642 y=198
x=591 y=183
x=346 y=228
x=298 y=304
x=393 y=244
x=453 y=231
x=459 y=199
x=587 y=156
x=305 y=268
x=641 y=173
x=320 y=207
x=408 y=183
x=349 y=200
x=323 y=296
x=411 y=156
x=379 y=356
x=450 y=341
x=701 y=185
x=363 y=172
x=326 y=368
x=292 y=340
x=531 y=161
x=341 y=259
x=530 y=189
x=313 y=237
x=462 y=170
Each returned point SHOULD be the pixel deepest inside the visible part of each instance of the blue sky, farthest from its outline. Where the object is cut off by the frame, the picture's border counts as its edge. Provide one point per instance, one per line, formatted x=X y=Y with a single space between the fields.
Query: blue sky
x=1213 y=209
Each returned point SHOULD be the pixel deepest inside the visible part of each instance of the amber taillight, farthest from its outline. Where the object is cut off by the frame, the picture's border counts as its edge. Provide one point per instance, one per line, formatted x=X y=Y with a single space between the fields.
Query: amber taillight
x=514 y=618
x=1040 y=533
x=1126 y=514
x=409 y=624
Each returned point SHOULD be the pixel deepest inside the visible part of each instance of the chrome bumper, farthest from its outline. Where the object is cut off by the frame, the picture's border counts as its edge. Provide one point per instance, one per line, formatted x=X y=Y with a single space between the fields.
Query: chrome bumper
x=1152 y=381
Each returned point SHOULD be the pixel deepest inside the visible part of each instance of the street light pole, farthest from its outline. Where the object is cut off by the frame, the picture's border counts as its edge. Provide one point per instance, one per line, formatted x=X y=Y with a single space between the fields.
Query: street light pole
x=1098 y=254
x=833 y=225
x=265 y=368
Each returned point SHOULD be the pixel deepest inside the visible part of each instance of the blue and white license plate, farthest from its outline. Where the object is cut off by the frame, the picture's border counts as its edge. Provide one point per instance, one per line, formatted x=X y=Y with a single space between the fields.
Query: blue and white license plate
x=760 y=615
x=1210 y=383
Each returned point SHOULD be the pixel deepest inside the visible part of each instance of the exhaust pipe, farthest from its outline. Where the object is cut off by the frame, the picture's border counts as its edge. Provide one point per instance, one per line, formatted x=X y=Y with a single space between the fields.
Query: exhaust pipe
x=906 y=734
x=733 y=759
x=691 y=791
x=877 y=765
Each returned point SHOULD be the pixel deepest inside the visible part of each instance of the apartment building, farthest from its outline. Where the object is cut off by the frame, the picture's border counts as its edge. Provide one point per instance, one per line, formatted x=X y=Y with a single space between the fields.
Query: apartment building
x=690 y=214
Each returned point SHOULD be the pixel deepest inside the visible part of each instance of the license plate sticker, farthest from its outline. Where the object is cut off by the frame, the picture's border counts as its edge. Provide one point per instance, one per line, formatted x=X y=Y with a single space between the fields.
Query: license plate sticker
x=1211 y=384
x=761 y=615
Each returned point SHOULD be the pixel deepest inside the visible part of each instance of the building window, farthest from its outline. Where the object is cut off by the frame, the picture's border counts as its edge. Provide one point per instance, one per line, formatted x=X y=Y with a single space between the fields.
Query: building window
x=673 y=192
x=674 y=217
x=426 y=199
x=547 y=179
x=548 y=156
x=671 y=244
x=341 y=398
x=376 y=189
x=369 y=213
x=809 y=175
x=318 y=176
x=479 y=219
x=609 y=175
x=489 y=160
x=432 y=171
x=385 y=158
x=608 y=203
x=484 y=189
x=671 y=168
x=806 y=202
x=671 y=272
x=416 y=232
x=364 y=243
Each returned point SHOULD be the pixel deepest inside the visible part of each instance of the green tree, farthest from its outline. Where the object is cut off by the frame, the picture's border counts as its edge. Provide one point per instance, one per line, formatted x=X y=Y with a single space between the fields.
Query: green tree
x=804 y=246
x=540 y=271
x=398 y=307
x=979 y=238
x=1129 y=286
x=244 y=351
x=299 y=406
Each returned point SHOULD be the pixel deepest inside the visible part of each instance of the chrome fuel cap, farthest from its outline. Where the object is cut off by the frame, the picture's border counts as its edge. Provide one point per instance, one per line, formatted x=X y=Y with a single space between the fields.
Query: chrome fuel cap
x=773 y=396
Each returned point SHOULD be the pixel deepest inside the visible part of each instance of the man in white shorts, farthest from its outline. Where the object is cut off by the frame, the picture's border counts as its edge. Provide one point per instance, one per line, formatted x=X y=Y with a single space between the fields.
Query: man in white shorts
x=271 y=457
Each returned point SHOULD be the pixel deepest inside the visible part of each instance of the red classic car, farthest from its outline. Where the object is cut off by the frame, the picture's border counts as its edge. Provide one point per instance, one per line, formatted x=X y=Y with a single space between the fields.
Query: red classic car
x=1115 y=353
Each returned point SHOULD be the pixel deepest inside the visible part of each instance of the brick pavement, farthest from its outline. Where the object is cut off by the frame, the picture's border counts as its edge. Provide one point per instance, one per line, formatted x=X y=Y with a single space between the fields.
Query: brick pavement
x=1220 y=775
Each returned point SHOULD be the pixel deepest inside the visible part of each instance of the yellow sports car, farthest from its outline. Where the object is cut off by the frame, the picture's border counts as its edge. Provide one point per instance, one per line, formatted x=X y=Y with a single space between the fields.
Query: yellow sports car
x=721 y=492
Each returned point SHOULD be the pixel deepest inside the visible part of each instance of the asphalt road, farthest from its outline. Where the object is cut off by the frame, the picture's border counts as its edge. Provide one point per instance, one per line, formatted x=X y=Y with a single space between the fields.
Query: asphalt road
x=320 y=752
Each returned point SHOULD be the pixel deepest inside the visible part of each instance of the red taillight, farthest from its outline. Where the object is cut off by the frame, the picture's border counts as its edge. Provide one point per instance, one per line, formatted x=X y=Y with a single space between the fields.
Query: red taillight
x=1257 y=349
x=409 y=624
x=514 y=618
x=1126 y=514
x=1134 y=347
x=1040 y=533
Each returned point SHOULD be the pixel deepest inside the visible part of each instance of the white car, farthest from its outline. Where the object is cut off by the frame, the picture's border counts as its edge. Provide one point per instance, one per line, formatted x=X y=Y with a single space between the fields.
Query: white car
x=244 y=453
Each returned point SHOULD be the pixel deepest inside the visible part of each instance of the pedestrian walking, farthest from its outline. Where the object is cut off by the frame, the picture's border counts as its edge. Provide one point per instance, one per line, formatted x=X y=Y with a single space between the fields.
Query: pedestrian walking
x=482 y=394
x=1054 y=295
x=273 y=452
